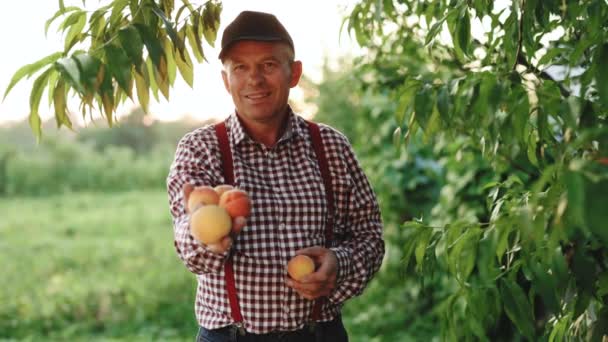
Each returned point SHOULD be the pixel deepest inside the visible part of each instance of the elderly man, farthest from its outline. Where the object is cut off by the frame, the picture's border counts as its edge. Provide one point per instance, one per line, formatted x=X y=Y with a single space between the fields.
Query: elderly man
x=308 y=194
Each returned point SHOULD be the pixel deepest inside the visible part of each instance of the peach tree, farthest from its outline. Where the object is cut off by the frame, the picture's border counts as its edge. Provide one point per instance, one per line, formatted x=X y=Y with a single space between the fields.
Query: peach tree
x=125 y=49
x=522 y=86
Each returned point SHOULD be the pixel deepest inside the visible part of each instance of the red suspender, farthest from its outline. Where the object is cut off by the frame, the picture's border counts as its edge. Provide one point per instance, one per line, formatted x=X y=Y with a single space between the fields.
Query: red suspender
x=224 y=144
x=317 y=143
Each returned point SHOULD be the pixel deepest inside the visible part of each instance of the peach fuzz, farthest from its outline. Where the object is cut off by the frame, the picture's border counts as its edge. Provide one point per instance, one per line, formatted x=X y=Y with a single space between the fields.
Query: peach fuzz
x=200 y=196
x=236 y=202
x=210 y=223
x=299 y=266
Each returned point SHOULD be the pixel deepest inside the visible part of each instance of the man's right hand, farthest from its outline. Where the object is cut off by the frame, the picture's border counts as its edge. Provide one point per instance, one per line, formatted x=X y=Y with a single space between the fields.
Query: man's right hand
x=219 y=248
x=238 y=223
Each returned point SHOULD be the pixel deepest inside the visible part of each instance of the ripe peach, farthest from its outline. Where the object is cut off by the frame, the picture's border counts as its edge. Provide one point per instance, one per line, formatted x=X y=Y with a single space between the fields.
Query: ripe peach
x=236 y=202
x=200 y=196
x=220 y=189
x=210 y=223
x=299 y=266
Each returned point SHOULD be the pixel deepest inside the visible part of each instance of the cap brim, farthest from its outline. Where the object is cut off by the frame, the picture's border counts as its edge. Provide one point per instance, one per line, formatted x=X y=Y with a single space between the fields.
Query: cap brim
x=255 y=38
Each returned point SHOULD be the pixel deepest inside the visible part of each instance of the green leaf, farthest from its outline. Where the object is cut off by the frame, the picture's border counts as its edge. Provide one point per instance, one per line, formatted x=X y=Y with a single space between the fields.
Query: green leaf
x=117 y=7
x=423 y=105
x=171 y=63
x=575 y=189
x=70 y=71
x=57 y=15
x=601 y=73
x=37 y=89
x=59 y=102
x=464 y=32
x=75 y=30
x=211 y=22
x=559 y=329
x=133 y=45
x=517 y=307
x=434 y=31
x=30 y=69
x=511 y=39
x=502 y=243
x=408 y=91
x=168 y=27
x=152 y=43
x=143 y=92
x=547 y=58
x=443 y=103
x=149 y=76
x=184 y=64
x=198 y=51
x=461 y=259
x=119 y=65
x=89 y=70
x=397 y=138
x=596 y=213
x=544 y=284
x=421 y=246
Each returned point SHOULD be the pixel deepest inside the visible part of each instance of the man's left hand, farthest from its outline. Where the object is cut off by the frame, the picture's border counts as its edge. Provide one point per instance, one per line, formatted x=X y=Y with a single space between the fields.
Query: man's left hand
x=323 y=280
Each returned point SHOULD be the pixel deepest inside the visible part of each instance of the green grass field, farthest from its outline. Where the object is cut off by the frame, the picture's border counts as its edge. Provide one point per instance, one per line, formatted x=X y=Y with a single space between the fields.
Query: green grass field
x=92 y=266
x=101 y=266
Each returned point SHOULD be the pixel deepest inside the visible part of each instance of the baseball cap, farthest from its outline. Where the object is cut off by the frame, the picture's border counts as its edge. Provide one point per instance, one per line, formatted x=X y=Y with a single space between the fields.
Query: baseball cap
x=251 y=25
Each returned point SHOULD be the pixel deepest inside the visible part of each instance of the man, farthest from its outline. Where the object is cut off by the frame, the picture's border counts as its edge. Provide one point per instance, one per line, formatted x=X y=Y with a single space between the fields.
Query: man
x=244 y=293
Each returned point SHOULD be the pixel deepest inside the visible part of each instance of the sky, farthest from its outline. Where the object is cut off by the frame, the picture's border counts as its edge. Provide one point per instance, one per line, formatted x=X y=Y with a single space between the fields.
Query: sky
x=314 y=26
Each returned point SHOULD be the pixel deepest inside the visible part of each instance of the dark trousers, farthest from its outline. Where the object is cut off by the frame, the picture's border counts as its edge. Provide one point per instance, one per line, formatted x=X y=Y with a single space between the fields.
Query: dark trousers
x=332 y=331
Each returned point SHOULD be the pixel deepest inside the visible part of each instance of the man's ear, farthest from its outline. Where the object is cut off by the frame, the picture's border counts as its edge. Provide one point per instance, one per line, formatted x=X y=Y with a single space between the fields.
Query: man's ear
x=296 y=73
x=225 y=79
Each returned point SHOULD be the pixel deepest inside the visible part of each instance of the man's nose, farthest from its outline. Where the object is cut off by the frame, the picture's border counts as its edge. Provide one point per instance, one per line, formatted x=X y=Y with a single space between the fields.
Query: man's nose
x=256 y=76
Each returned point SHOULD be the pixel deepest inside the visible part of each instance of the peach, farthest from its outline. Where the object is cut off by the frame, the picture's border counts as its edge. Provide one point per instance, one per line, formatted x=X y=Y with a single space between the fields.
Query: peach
x=220 y=189
x=200 y=196
x=299 y=266
x=236 y=202
x=210 y=223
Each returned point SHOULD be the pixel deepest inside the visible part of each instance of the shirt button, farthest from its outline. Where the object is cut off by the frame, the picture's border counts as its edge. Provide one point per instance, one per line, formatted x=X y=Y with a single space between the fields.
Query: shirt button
x=282 y=226
x=286 y=309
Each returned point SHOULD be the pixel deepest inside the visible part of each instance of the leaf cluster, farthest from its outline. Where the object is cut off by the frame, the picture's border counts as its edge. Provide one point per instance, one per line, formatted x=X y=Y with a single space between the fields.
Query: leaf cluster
x=124 y=48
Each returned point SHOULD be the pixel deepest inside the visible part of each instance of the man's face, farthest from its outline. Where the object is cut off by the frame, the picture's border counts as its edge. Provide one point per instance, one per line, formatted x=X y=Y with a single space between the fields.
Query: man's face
x=258 y=76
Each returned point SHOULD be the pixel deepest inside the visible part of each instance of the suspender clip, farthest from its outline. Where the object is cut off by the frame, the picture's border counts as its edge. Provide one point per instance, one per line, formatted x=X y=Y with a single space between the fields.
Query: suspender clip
x=240 y=328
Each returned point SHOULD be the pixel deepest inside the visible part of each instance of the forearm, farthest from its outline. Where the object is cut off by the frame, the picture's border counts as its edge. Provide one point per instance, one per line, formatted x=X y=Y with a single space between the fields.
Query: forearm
x=359 y=258
x=195 y=256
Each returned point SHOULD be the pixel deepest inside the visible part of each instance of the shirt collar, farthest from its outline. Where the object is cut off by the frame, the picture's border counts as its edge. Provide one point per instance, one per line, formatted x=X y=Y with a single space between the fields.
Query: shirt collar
x=238 y=134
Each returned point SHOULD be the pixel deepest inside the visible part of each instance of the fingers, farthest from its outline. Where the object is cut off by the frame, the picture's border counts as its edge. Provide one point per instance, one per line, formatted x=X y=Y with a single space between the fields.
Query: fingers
x=238 y=223
x=222 y=246
x=187 y=189
x=313 y=252
x=311 y=290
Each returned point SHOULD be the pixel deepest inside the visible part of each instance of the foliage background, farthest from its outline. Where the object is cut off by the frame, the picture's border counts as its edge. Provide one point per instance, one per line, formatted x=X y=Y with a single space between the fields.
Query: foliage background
x=488 y=153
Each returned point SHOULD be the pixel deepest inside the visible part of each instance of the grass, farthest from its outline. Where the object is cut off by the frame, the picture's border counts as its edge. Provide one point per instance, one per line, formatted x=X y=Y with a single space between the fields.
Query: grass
x=92 y=266
x=101 y=266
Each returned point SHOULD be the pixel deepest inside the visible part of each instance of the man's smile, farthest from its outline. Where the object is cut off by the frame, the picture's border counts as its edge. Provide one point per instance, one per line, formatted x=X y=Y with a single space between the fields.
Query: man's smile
x=257 y=96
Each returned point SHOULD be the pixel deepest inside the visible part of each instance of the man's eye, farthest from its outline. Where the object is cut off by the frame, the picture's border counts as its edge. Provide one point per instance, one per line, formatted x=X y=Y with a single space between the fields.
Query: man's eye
x=239 y=67
x=269 y=65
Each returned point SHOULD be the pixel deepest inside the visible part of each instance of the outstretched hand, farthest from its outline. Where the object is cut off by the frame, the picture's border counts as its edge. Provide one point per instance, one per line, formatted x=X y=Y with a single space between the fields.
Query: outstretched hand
x=321 y=282
x=238 y=223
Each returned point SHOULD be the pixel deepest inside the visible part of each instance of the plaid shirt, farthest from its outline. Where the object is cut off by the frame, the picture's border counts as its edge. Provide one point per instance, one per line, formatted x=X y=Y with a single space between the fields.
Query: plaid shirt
x=288 y=213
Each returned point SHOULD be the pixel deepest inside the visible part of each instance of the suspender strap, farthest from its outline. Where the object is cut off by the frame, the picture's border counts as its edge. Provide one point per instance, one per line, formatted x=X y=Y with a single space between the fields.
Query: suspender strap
x=227 y=167
x=224 y=144
x=317 y=144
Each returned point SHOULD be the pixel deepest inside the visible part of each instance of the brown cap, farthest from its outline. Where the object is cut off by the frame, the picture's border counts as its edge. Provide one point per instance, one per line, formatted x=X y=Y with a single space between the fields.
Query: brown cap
x=250 y=25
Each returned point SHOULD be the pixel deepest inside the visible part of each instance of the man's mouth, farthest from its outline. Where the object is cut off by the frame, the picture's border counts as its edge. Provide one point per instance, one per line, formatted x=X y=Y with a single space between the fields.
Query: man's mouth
x=257 y=96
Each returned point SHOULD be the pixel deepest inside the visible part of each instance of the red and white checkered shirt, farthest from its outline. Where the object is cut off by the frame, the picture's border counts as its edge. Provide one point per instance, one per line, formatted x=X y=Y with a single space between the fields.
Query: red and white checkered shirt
x=288 y=213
